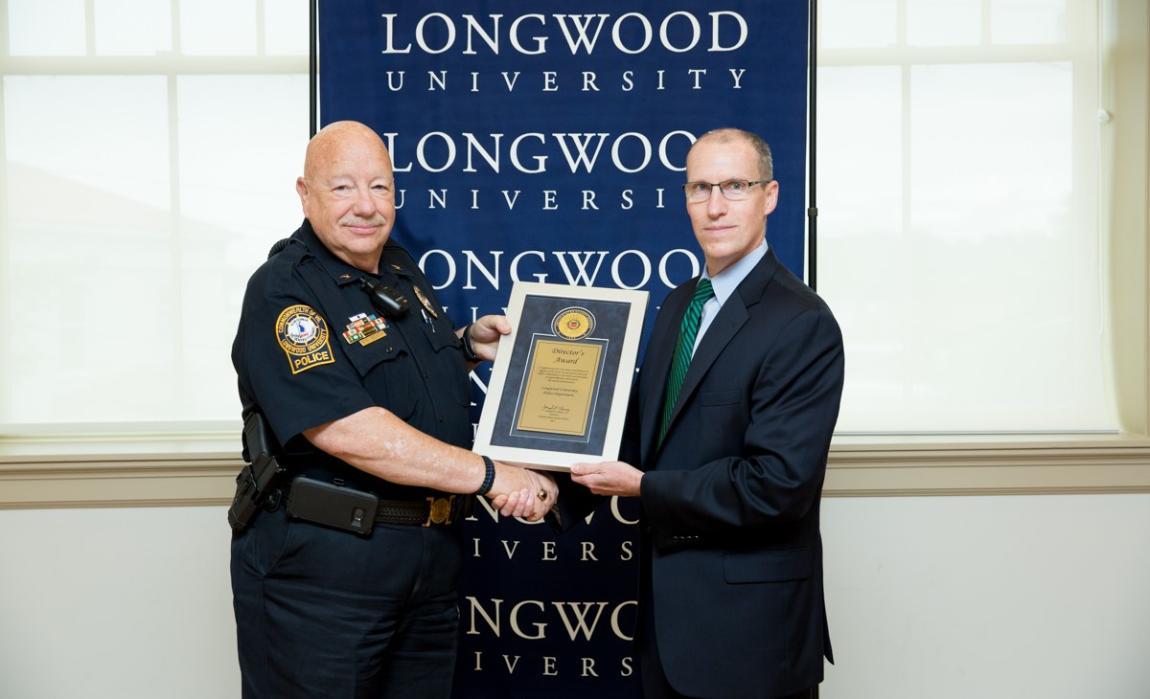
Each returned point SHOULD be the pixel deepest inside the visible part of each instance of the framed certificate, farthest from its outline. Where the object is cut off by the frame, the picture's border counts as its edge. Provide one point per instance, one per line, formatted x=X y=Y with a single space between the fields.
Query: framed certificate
x=561 y=380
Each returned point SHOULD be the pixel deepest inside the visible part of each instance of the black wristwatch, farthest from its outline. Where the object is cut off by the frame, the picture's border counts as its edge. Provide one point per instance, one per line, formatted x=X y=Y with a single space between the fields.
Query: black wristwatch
x=468 y=350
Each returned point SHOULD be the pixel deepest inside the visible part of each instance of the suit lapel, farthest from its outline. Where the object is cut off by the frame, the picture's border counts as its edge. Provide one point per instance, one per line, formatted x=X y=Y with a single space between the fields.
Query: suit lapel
x=653 y=379
x=731 y=318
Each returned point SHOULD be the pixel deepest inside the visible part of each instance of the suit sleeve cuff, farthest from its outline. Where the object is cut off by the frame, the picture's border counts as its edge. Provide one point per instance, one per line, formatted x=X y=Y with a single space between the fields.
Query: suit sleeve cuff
x=655 y=492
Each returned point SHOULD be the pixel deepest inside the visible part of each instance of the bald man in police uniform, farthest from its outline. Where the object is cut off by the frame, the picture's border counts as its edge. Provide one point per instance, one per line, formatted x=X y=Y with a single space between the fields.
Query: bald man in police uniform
x=364 y=397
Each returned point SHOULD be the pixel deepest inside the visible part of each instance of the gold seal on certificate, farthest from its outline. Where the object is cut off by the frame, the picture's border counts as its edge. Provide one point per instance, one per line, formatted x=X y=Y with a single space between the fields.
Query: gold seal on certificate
x=561 y=380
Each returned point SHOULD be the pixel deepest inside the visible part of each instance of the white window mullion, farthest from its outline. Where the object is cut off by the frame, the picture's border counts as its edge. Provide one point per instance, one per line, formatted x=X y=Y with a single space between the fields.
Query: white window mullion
x=5 y=276
x=90 y=27
x=6 y=297
x=183 y=382
x=985 y=39
x=261 y=29
x=900 y=30
x=177 y=45
x=906 y=232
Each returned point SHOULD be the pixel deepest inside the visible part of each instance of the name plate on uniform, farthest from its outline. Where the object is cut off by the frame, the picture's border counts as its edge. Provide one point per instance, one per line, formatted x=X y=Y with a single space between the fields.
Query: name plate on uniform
x=559 y=388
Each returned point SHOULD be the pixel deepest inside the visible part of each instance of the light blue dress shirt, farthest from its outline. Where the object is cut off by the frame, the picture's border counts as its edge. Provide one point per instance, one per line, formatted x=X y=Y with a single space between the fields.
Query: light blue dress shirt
x=724 y=284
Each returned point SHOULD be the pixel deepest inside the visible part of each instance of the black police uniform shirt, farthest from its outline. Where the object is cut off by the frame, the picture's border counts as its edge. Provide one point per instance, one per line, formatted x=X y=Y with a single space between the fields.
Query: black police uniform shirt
x=311 y=348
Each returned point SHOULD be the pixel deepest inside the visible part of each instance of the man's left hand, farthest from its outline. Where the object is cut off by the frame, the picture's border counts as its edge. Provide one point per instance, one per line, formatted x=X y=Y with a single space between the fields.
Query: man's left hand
x=530 y=504
x=485 y=333
x=608 y=478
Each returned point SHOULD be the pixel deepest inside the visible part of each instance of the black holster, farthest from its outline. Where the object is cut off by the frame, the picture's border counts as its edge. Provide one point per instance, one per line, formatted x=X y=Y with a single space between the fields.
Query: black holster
x=257 y=481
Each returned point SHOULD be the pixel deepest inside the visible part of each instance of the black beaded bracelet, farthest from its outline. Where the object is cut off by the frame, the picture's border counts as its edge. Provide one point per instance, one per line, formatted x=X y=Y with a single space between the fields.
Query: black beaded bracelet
x=468 y=351
x=488 y=476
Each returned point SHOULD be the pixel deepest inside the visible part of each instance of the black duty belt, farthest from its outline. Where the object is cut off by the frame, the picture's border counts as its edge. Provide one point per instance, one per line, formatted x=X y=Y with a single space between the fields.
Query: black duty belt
x=336 y=505
x=442 y=509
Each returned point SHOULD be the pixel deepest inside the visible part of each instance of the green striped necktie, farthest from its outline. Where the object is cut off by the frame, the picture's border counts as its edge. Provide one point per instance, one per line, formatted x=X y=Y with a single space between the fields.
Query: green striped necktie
x=688 y=330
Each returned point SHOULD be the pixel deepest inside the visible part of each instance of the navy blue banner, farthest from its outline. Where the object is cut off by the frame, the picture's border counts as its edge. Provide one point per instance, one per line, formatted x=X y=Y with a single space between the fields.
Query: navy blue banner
x=546 y=142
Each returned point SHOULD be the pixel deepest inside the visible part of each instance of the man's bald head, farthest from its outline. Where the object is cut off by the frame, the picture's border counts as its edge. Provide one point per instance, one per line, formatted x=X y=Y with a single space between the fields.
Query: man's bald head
x=337 y=136
x=348 y=192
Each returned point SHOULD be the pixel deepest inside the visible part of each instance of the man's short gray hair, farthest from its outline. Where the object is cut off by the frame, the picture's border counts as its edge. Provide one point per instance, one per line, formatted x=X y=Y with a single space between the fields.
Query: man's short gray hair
x=728 y=134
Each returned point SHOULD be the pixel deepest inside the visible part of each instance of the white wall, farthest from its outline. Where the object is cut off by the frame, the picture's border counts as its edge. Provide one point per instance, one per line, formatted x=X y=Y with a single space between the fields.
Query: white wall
x=116 y=604
x=984 y=597
x=930 y=598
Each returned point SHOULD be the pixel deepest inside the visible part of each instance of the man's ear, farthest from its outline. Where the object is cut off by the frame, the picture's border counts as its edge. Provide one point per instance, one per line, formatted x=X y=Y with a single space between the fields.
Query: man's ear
x=772 y=198
x=302 y=190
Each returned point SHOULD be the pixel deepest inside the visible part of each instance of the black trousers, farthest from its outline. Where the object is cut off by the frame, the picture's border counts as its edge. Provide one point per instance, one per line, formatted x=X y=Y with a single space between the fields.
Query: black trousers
x=325 y=613
x=656 y=686
x=651 y=673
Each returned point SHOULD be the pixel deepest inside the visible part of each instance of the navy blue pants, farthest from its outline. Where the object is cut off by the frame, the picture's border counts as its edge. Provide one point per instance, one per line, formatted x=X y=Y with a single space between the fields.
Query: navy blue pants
x=651 y=672
x=326 y=613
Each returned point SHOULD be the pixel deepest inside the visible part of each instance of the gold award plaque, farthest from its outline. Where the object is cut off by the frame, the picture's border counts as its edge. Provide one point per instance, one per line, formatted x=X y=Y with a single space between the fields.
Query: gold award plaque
x=561 y=379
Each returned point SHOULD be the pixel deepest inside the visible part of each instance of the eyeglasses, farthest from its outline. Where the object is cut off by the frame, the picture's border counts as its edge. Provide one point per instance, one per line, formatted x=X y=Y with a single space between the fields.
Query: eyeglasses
x=733 y=190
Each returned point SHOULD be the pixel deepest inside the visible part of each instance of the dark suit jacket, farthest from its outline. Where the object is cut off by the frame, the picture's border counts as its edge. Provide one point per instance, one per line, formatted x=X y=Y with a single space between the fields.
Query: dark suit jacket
x=731 y=498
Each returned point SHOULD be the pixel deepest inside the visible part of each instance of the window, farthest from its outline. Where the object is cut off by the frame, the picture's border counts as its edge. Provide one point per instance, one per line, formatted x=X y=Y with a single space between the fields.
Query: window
x=149 y=151
x=148 y=148
x=961 y=239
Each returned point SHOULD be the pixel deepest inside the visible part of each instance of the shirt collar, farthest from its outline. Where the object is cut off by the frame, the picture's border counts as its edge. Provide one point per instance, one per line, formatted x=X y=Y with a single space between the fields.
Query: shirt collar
x=724 y=283
x=341 y=272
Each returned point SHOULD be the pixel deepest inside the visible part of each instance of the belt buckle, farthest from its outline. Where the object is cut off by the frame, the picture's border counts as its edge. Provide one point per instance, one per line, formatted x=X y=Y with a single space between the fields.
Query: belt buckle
x=439 y=510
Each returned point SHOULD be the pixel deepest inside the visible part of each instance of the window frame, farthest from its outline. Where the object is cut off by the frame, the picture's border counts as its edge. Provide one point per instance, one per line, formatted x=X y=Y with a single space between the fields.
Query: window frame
x=119 y=464
x=172 y=66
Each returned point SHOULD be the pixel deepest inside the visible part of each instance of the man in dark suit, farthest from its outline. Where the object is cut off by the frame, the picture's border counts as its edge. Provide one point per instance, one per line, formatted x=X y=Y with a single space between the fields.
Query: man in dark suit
x=730 y=423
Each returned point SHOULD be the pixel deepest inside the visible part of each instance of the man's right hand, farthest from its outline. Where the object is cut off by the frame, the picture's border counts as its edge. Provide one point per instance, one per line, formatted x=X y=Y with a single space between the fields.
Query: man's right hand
x=521 y=492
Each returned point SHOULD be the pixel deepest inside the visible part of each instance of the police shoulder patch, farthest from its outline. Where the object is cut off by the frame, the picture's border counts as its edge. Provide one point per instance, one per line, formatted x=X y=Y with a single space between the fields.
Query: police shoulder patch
x=302 y=334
